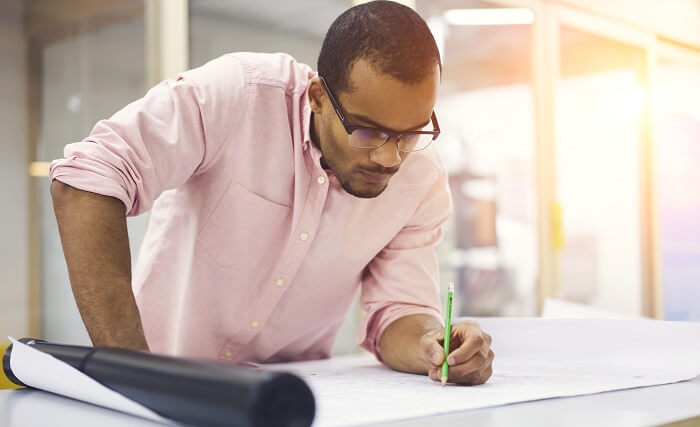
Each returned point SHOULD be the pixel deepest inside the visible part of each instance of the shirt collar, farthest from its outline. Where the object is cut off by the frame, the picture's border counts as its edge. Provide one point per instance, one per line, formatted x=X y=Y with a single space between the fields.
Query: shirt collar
x=308 y=145
x=306 y=121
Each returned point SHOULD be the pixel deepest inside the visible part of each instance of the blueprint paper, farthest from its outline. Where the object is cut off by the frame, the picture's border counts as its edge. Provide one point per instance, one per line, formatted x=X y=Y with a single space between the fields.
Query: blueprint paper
x=535 y=359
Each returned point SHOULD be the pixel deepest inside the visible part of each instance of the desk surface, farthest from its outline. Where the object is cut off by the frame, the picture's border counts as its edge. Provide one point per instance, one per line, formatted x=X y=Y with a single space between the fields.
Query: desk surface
x=637 y=407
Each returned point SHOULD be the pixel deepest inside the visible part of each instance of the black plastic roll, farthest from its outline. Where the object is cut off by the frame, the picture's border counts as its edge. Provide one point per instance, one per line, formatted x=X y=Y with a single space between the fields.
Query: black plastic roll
x=193 y=392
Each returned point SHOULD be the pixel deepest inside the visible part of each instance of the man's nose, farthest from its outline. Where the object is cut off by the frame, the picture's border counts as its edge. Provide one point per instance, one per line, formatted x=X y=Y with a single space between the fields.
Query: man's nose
x=387 y=155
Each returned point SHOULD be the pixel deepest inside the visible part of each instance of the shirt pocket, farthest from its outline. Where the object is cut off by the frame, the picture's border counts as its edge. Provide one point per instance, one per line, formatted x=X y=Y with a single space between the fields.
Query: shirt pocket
x=245 y=231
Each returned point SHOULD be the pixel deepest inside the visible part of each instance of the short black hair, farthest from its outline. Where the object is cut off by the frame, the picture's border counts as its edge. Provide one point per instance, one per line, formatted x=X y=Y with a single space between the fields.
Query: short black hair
x=392 y=37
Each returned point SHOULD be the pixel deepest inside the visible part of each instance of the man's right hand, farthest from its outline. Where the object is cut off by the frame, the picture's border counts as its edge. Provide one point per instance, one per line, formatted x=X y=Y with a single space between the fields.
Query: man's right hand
x=96 y=246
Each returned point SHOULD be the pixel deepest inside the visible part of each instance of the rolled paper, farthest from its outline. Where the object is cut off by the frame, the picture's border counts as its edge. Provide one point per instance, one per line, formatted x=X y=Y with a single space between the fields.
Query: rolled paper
x=5 y=382
x=189 y=391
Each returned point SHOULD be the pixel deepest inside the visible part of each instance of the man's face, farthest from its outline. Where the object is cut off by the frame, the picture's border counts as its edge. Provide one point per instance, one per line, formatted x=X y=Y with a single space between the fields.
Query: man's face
x=375 y=100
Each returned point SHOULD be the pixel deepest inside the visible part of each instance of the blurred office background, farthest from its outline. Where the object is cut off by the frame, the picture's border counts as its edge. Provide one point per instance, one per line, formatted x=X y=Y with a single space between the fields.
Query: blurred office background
x=571 y=132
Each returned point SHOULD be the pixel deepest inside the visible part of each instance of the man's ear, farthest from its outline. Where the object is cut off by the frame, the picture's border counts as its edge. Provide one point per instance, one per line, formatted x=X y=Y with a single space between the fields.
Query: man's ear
x=316 y=94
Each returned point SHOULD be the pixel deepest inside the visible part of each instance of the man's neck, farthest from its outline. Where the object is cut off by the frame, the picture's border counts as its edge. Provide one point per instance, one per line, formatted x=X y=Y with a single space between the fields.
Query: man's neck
x=313 y=133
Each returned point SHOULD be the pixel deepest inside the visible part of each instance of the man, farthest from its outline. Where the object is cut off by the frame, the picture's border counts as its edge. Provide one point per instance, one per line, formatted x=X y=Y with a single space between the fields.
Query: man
x=279 y=192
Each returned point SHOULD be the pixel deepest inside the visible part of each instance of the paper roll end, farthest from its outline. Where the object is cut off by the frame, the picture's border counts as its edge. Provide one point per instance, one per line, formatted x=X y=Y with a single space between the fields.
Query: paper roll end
x=5 y=381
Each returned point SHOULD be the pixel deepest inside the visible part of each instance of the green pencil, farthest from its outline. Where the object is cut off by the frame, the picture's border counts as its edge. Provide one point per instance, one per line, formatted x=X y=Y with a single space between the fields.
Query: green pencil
x=448 y=327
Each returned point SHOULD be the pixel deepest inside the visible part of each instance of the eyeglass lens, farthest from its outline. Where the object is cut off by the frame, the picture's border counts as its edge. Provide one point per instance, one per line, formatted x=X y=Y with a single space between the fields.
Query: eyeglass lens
x=365 y=138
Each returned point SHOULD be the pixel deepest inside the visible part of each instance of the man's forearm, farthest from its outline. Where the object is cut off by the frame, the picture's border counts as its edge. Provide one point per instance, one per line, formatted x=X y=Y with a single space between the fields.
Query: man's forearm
x=400 y=344
x=96 y=246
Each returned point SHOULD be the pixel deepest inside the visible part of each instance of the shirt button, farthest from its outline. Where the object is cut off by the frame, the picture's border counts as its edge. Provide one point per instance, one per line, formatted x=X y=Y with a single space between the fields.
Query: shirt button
x=279 y=282
x=321 y=179
x=304 y=236
x=254 y=324
x=227 y=354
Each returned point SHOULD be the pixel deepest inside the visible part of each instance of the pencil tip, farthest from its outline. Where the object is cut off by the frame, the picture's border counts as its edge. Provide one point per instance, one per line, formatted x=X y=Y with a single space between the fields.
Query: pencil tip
x=443 y=380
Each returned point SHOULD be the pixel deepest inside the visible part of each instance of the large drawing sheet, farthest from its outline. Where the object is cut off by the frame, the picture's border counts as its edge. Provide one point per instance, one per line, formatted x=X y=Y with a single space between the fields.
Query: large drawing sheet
x=535 y=359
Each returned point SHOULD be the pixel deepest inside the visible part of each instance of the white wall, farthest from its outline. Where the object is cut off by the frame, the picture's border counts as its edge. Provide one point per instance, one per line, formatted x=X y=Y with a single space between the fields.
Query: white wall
x=14 y=256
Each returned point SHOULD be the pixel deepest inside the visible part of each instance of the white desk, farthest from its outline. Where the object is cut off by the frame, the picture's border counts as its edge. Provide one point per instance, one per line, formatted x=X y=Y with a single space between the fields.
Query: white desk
x=637 y=407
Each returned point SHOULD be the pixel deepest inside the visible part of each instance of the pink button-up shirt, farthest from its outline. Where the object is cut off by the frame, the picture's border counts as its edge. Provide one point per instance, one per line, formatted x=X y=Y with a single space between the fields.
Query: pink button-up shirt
x=253 y=250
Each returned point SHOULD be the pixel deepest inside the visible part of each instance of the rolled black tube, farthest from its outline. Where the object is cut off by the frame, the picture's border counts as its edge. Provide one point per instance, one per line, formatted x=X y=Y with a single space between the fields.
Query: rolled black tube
x=193 y=392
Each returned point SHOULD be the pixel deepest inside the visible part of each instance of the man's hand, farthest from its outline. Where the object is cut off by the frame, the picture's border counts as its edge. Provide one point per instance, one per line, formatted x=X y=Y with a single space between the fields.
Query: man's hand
x=413 y=344
x=470 y=355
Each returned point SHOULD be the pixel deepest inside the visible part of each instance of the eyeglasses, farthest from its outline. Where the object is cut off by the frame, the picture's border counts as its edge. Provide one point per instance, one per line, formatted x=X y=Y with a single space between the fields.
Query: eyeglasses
x=368 y=137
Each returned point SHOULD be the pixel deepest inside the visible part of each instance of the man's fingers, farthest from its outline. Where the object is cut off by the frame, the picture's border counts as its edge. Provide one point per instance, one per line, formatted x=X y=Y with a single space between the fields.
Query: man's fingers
x=473 y=371
x=472 y=345
x=434 y=374
x=432 y=350
x=476 y=364
x=466 y=374
x=486 y=374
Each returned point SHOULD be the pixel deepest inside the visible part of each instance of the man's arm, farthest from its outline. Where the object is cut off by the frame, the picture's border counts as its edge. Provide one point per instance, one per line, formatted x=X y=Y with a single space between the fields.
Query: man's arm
x=96 y=246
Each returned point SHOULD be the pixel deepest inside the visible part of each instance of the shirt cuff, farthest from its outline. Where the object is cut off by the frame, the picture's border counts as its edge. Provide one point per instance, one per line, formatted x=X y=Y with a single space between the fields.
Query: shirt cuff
x=90 y=175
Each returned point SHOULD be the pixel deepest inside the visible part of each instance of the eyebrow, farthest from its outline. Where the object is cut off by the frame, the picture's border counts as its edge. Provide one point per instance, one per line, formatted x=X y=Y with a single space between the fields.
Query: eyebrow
x=361 y=118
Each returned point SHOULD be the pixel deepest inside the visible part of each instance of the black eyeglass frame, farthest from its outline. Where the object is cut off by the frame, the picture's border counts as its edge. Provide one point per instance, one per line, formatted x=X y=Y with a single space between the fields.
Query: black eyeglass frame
x=350 y=128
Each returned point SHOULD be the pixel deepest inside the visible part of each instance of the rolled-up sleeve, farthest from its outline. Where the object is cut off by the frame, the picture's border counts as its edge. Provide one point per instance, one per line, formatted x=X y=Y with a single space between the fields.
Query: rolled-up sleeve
x=403 y=279
x=161 y=140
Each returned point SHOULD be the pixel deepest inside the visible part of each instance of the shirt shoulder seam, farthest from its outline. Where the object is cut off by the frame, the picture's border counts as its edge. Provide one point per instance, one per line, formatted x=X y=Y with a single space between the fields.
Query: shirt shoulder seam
x=238 y=121
x=252 y=80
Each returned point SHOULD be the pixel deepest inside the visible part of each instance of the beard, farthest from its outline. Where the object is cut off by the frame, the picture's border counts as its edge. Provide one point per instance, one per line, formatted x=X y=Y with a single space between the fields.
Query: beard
x=345 y=178
x=365 y=193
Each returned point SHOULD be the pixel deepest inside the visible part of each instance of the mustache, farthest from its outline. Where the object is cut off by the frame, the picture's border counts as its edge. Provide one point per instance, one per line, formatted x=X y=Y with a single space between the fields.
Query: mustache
x=379 y=170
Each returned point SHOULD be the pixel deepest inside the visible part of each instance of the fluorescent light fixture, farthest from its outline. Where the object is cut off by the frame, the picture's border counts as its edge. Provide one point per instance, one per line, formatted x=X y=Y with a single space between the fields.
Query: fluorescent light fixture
x=501 y=16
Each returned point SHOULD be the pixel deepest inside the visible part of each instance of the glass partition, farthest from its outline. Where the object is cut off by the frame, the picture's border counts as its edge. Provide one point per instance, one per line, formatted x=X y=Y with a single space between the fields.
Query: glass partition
x=677 y=111
x=85 y=76
x=486 y=110
x=600 y=109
